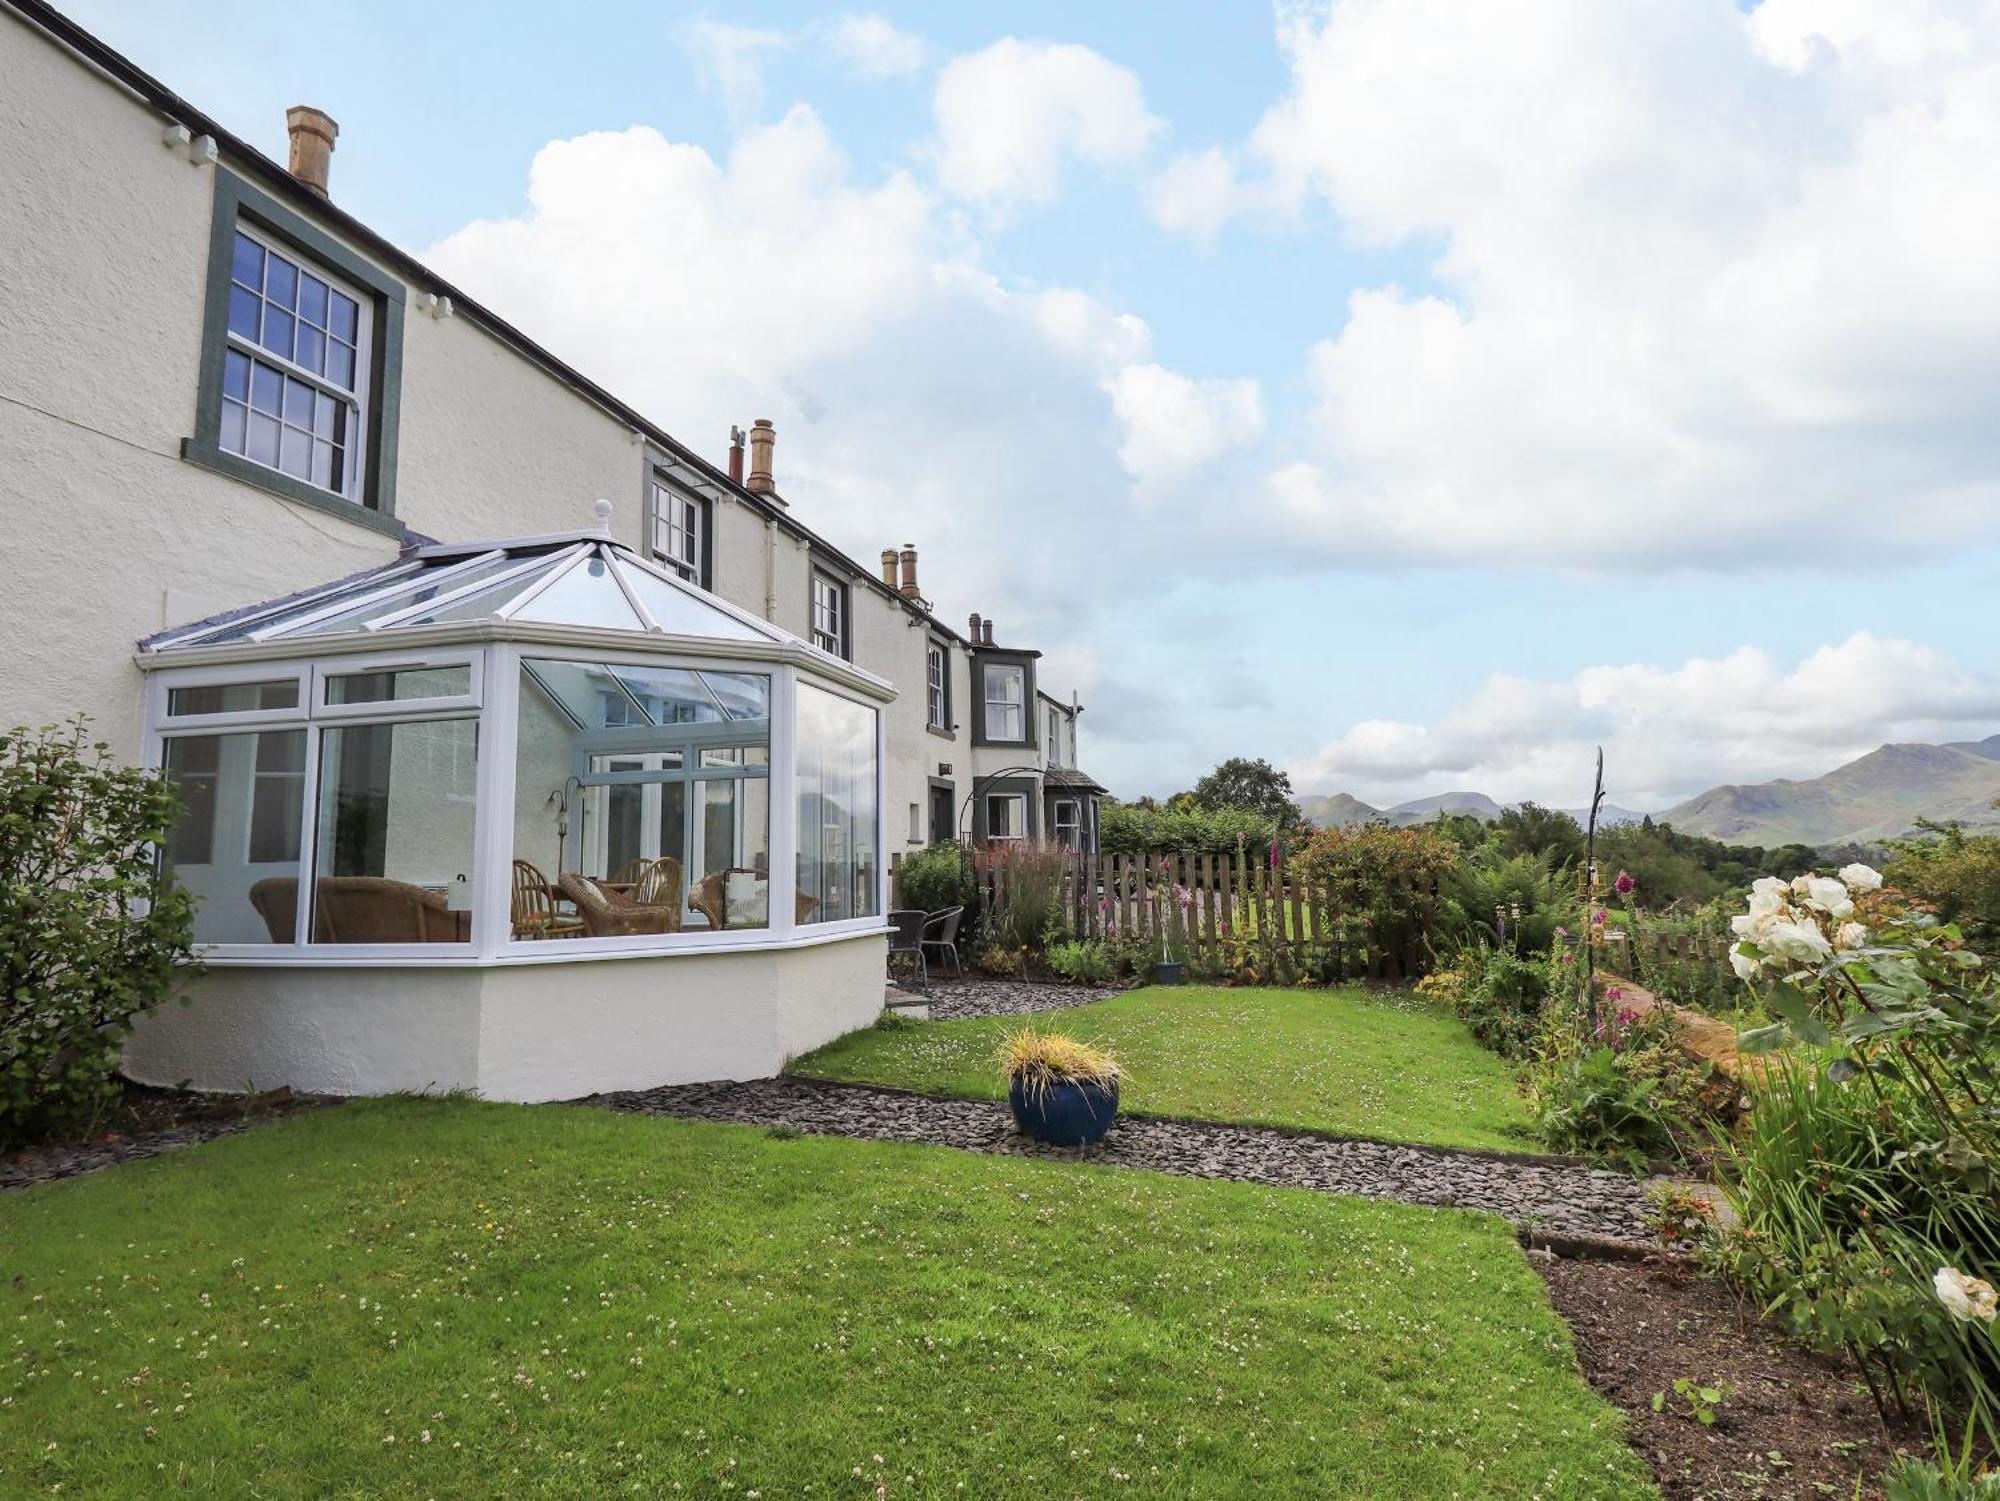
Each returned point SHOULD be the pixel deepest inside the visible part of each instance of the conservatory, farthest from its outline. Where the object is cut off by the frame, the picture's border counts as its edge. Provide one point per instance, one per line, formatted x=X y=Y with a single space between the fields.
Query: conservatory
x=534 y=818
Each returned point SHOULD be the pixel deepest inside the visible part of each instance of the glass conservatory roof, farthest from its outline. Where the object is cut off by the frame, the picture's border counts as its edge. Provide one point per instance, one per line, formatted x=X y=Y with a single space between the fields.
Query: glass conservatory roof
x=578 y=581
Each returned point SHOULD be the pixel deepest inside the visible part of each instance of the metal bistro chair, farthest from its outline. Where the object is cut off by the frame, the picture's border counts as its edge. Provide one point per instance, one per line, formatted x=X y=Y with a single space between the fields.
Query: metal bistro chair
x=941 y=935
x=906 y=936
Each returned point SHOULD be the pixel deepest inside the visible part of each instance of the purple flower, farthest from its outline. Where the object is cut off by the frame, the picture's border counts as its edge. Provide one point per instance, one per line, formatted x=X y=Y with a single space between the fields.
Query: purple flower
x=1597 y=918
x=1624 y=885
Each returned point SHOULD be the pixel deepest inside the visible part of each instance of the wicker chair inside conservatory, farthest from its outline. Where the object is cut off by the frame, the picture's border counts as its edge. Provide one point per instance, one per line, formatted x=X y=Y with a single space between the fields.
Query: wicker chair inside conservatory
x=654 y=882
x=535 y=912
x=609 y=914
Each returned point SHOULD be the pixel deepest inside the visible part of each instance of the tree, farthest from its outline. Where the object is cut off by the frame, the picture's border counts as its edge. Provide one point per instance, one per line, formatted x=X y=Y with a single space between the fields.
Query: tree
x=1534 y=830
x=1254 y=785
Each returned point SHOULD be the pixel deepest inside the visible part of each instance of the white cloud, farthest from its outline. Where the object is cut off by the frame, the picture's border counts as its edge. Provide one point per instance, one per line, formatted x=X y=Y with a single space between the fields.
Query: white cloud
x=1667 y=732
x=730 y=60
x=908 y=383
x=1012 y=116
x=875 y=48
x=1175 y=427
x=1704 y=287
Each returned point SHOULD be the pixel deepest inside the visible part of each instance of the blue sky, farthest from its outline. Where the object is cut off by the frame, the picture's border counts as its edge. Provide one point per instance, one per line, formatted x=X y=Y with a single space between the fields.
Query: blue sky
x=1413 y=396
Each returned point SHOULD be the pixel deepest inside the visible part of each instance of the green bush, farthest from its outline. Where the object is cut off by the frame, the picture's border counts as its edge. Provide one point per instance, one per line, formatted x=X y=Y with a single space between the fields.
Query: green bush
x=1594 y=1105
x=1502 y=1002
x=1127 y=829
x=1954 y=872
x=935 y=877
x=1083 y=963
x=92 y=932
x=1537 y=899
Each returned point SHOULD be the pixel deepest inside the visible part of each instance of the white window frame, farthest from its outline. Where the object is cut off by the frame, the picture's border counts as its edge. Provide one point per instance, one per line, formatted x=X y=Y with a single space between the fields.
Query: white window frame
x=1055 y=736
x=679 y=520
x=358 y=400
x=1020 y=800
x=315 y=717
x=1018 y=706
x=937 y=685
x=1072 y=825
x=831 y=623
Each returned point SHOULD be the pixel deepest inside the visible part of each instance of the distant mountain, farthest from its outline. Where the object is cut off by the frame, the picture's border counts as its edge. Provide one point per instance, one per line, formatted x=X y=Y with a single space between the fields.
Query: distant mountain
x=1880 y=796
x=1425 y=809
x=1340 y=809
x=1337 y=811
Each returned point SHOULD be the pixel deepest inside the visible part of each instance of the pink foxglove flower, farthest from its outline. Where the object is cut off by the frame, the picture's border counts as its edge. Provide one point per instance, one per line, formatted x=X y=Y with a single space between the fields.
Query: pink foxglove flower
x=1624 y=885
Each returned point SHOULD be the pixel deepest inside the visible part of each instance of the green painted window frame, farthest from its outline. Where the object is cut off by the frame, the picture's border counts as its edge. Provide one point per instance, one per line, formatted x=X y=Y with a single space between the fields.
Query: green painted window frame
x=1026 y=739
x=236 y=201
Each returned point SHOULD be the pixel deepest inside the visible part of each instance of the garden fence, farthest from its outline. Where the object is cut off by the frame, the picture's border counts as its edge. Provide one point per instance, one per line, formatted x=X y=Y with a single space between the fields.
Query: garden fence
x=1220 y=913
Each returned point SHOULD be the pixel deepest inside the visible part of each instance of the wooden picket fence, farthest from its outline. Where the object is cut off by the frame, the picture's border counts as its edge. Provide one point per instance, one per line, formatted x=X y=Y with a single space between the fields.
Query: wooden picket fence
x=1220 y=912
x=1689 y=967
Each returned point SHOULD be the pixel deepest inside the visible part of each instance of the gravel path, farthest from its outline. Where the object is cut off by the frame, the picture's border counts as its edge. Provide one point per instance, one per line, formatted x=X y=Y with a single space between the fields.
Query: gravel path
x=956 y=1000
x=46 y=1164
x=1554 y=1201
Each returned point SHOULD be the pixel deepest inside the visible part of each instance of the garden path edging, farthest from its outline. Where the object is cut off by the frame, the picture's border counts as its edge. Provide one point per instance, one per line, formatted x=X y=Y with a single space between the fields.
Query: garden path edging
x=1559 y=1204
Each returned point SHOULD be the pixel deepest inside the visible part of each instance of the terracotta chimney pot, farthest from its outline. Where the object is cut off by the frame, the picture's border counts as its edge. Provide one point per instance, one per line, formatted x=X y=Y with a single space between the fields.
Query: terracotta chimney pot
x=313 y=132
x=763 y=438
x=735 y=454
x=909 y=561
x=889 y=566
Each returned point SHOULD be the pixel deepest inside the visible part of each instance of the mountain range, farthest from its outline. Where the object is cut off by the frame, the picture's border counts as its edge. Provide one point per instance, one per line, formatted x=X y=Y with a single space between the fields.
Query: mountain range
x=1879 y=796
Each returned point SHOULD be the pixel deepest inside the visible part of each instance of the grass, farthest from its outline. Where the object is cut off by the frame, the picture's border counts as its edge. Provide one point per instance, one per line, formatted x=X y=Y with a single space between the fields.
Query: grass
x=1387 y=1065
x=448 y=1298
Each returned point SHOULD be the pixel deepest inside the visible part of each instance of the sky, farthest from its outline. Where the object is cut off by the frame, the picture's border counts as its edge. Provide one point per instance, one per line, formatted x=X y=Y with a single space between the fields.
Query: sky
x=1415 y=394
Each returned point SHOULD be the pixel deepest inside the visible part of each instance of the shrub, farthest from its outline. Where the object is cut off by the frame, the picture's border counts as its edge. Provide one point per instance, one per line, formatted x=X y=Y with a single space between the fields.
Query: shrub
x=935 y=877
x=1590 y=1106
x=1503 y=1001
x=1536 y=898
x=1956 y=873
x=1385 y=880
x=92 y=931
x=1126 y=829
x=1082 y=963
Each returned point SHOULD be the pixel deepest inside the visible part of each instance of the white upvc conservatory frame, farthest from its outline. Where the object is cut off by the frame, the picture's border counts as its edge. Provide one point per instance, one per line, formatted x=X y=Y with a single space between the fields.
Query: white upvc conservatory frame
x=494 y=648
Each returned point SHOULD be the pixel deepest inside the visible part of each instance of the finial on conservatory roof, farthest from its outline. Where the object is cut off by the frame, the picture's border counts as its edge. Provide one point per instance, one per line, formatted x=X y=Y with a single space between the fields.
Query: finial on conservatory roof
x=603 y=510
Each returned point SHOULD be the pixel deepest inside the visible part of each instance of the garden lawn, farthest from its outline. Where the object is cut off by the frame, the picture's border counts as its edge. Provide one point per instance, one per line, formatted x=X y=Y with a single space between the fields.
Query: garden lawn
x=442 y=1297
x=1382 y=1064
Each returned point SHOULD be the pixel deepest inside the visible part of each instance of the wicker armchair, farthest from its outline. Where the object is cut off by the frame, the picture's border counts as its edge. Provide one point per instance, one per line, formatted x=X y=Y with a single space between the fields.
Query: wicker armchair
x=611 y=914
x=708 y=898
x=654 y=882
x=535 y=911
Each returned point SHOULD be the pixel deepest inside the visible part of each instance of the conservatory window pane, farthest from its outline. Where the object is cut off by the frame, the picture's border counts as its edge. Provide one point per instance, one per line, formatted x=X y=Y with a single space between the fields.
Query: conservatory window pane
x=586 y=594
x=234 y=698
x=236 y=846
x=396 y=683
x=393 y=848
x=652 y=785
x=837 y=807
x=680 y=613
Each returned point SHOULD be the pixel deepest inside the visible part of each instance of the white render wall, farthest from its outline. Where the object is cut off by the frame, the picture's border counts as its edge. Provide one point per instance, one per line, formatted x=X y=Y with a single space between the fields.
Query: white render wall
x=524 y=1032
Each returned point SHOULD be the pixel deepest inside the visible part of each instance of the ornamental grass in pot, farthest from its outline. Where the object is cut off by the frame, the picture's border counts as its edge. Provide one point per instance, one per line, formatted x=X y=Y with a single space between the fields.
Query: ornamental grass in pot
x=1062 y=1091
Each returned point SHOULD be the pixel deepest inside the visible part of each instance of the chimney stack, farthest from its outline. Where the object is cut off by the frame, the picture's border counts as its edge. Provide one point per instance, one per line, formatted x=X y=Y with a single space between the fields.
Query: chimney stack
x=312 y=132
x=972 y=630
x=986 y=639
x=909 y=560
x=889 y=566
x=735 y=454
x=763 y=437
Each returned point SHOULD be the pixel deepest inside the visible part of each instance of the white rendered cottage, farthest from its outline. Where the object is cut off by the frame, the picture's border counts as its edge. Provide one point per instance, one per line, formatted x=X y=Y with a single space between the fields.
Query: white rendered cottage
x=535 y=818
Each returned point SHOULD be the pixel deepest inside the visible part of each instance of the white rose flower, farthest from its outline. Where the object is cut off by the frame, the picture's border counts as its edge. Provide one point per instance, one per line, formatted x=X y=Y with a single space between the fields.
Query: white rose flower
x=1829 y=896
x=1802 y=942
x=1861 y=877
x=1965 y=1298
x=1743 y=924
x=1851 y=936
x=1767 y=894
x=1747 y=969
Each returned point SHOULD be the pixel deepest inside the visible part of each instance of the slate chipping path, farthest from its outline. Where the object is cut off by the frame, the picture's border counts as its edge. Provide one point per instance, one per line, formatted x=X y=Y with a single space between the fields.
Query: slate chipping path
x=960 y=999
x=1551 y=1199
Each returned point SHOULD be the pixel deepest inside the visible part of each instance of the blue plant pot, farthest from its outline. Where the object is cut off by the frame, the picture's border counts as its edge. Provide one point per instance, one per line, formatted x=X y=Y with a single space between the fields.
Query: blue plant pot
x=1167 y=972
x=1065 y=1115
